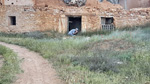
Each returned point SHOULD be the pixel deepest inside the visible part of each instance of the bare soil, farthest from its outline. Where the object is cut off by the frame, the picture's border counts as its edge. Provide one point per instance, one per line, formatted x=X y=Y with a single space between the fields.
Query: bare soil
x=36 y=70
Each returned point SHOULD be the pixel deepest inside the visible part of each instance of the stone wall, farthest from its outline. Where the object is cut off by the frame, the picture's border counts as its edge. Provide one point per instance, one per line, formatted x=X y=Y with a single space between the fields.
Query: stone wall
x=26 y=21
x=129 y=4
x=138 y=4
x=19 y=2
x=29 y=18
x=131 y=18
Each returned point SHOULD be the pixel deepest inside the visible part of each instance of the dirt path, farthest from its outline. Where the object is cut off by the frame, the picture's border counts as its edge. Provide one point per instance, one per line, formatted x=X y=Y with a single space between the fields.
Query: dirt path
x=36 y=69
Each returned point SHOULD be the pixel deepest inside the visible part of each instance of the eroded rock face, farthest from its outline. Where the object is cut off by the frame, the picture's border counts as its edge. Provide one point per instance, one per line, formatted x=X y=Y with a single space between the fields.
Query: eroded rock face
x=75 y=2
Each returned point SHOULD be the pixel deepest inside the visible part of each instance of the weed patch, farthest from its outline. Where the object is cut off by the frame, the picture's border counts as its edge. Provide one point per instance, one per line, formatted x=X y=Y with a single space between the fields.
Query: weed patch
x=94 y=33
x=98 y=62
x=10 y=66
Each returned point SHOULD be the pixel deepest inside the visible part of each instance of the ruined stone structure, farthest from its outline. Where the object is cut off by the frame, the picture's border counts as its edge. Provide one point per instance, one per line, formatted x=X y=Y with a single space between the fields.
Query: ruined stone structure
x=42 y=15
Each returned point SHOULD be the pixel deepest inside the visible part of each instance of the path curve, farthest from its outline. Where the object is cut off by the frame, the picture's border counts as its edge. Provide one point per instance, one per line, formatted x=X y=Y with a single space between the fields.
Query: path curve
x=36 y=70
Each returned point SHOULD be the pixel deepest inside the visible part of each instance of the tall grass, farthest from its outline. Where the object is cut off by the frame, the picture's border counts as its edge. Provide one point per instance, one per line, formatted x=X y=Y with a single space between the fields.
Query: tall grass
x=10 y=66
x=84 y=60
x=34 y=34
x=100 y=32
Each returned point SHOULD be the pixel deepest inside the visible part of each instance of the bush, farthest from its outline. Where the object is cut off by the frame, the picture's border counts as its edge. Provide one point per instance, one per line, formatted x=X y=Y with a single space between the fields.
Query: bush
x=99 y=61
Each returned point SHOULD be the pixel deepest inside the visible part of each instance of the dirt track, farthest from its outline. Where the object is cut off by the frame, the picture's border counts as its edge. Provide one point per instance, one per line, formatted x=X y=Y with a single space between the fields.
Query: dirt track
x=36 y=69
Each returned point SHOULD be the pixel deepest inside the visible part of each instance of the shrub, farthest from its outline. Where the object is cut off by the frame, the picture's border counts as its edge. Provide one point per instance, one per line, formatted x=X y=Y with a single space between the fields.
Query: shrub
x=99 y=61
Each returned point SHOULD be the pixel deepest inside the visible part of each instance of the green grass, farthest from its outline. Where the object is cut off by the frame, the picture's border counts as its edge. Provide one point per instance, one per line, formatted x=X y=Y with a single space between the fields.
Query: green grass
x=121 y=57
x=10 y=66
x=34 y=34
x=100 y=32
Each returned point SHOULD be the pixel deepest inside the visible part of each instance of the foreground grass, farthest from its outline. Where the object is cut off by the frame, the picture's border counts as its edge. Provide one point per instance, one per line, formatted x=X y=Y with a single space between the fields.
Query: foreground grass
x=89 y=60
x=10 y=67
